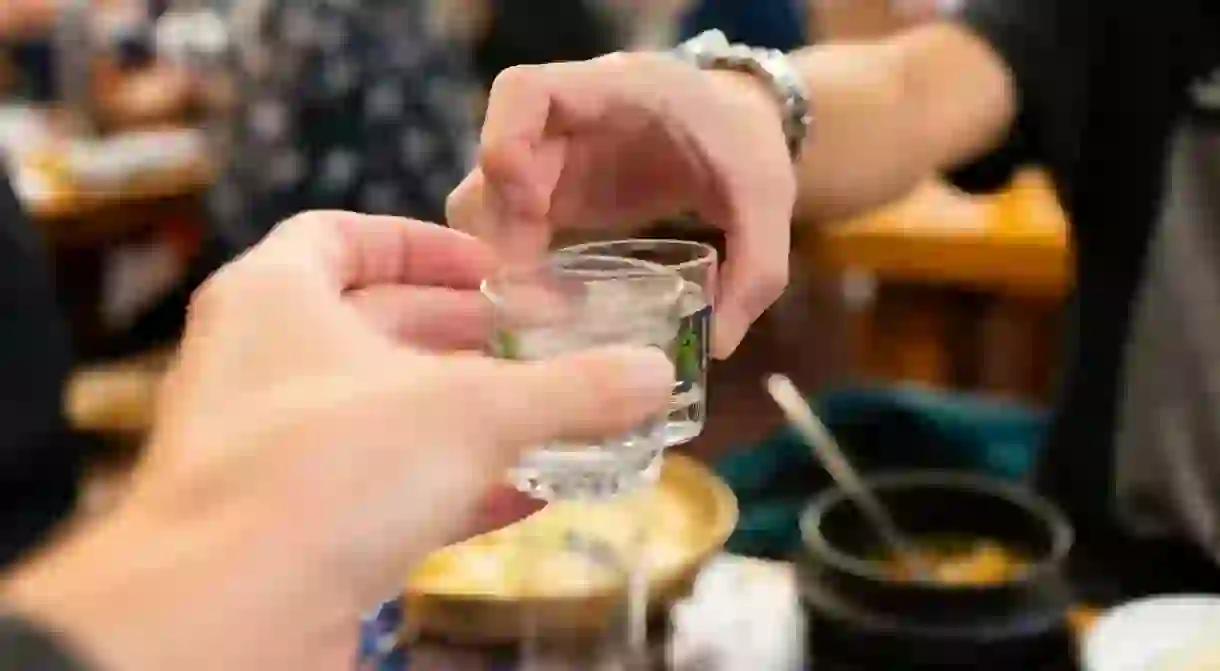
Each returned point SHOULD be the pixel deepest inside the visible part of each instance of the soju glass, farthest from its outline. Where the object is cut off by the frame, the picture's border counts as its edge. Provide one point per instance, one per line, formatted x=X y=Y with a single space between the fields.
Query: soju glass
x=567 y=303
x=697 y=264
x=572 y=302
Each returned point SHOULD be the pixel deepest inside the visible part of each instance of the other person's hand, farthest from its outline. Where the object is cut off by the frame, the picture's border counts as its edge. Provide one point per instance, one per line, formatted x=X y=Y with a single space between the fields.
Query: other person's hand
x=629 y=139
x=314 y=442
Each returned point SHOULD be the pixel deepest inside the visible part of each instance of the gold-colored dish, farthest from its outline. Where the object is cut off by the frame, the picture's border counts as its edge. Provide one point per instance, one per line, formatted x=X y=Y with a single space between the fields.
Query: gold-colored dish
x=478 y=591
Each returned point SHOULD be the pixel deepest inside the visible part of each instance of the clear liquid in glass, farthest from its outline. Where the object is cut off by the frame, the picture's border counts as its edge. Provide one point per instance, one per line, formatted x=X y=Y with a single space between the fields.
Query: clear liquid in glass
x=688 y=408
x=596 y=469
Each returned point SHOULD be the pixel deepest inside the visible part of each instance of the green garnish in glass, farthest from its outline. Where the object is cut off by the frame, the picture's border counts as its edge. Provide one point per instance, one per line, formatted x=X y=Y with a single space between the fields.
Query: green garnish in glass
x=688 y=354
x=506 y=346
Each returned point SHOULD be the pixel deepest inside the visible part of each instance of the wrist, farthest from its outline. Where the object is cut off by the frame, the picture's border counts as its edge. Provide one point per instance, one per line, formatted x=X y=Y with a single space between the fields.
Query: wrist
x=142 y=591
x=752 y=94
x=752 y=99
x=771 y=69
x=76 y=591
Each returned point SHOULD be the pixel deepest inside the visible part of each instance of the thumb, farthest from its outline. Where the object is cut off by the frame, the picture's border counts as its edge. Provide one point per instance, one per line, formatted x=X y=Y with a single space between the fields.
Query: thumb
x=591 y=394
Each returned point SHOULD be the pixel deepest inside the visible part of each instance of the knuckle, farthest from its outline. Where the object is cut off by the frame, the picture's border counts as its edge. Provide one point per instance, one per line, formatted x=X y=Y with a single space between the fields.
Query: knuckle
x=516 y=77
x=639 y=60
x=617 y=59
x=249 y=278
x=308 y=219
x=655 y=72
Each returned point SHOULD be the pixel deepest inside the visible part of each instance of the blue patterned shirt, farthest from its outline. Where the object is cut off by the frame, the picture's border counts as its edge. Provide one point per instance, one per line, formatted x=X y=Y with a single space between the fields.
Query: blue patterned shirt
x=348 y=104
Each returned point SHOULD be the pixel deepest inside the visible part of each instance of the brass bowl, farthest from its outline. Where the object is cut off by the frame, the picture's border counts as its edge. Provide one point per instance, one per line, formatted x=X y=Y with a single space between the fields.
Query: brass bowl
x=698 y=509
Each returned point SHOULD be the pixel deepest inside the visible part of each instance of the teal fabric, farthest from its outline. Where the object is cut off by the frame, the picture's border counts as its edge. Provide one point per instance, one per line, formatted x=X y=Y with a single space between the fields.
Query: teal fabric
x=883 y=429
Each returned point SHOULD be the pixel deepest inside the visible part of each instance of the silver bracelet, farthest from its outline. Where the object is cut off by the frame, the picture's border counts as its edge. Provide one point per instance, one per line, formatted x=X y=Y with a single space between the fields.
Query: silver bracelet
x=711 y=50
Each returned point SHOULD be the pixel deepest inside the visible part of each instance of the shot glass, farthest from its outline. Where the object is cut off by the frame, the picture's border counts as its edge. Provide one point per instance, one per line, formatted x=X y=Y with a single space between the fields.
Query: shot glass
x=572 y=302
x=697 y=264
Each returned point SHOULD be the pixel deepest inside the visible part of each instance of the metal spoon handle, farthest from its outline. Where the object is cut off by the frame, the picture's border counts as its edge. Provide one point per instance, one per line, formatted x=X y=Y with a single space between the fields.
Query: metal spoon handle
x=803 y=419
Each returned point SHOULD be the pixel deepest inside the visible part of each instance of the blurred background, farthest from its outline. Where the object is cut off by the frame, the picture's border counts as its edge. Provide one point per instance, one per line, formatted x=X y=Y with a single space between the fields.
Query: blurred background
x=150 y=140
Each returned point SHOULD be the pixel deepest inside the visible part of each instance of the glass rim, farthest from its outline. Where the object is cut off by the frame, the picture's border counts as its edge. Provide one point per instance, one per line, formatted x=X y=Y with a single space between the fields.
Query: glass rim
x=554 y=261
x=709 y=256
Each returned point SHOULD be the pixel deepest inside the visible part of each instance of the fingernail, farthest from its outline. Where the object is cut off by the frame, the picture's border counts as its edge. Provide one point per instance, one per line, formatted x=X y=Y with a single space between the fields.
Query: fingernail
x=645 y=370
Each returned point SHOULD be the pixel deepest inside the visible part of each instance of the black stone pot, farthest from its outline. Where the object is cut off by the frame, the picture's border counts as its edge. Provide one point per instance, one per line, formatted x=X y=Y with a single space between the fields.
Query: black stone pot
x=859 y=615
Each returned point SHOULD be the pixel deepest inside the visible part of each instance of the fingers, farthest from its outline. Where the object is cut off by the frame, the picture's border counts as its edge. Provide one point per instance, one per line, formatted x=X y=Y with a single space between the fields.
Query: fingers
x=466 y=207
x=519 y=109
x=754 y=275
x=533 y=111
x=500 y=507
x=522 y=176
x=531 y=107
x=353 y=250
x=596 y=393
x=528 y=101
x=755 y=209
x=431 y=318
x=474 y=207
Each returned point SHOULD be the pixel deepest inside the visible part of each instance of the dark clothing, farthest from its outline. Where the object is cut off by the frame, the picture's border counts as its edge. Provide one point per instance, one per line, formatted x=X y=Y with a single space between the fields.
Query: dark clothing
x=24 y=647
x=36 y=69
x=39 y=460
x=542 y=31
x=774 y=24
x=1103 y=87
x=360 y=106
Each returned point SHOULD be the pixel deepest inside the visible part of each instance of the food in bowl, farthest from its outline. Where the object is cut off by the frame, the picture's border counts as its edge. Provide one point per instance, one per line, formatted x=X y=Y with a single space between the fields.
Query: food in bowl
x=493 y=565
x=959 y=561
x=858 y=612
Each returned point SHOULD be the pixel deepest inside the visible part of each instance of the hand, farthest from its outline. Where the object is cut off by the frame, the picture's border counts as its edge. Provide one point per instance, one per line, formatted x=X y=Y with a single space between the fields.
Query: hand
x=307 y=454
x=629 y=139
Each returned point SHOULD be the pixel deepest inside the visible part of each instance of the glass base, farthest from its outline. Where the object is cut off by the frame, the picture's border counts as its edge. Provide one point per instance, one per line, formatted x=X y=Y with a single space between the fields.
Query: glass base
x=687 y=415
x=549 y=475
x=680 y=432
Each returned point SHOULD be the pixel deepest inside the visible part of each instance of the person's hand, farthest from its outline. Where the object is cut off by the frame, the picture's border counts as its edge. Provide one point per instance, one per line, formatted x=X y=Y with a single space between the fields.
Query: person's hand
x=312 y=444
x=629 y=139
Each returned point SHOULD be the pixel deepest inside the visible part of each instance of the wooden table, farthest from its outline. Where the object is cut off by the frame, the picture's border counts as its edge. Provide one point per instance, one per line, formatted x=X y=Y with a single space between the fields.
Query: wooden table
x=953 y=290
x=64 y=202
x=80 y=214
x=37 y=148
